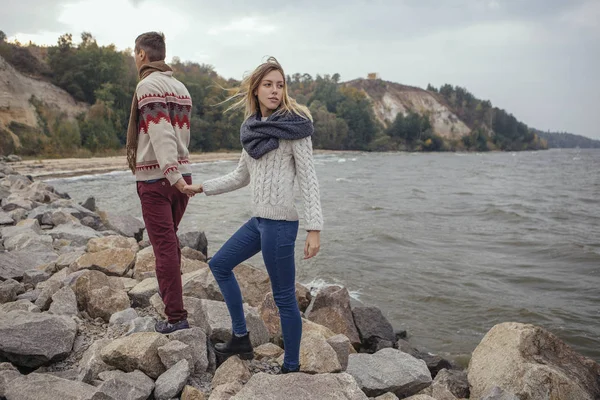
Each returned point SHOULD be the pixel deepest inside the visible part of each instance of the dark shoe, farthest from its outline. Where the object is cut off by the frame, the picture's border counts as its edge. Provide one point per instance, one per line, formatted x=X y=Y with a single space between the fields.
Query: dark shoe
x=239 y=345
x=166 y=327
x=284 y=370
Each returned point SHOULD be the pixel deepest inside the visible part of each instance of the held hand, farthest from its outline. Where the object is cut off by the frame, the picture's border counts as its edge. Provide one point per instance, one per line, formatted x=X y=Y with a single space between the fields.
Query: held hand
x=182 y=186
x=313 y=244
x=193 y=189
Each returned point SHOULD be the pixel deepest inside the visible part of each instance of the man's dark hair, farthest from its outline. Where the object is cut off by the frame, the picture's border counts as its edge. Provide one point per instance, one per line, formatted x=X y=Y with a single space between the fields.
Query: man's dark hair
x=153 y=43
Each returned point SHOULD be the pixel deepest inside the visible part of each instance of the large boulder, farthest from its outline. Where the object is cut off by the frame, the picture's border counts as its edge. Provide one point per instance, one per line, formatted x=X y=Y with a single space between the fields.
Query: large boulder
x=197 y=314
x=5 y=218
x=95 y=295
x=220 y=322
x=531 y=363
x=175 y=351
x=77 y=234
x=194 y=240
x=171 y=383
x=196 y=339
x=47 y=387
x=317 y=356
x=300 y=386
x=145 y=264
x=125 y=386
x=232 y=370
x=91 y=364
x=9 y=290
x=114 y=261
x=30 y=242
x=389 y=370
x=142 y=292
x=125 y=225
x=26 y=226
x=64 y=302
x=372 y=326
x=34 y=339
x=112 y=242
x=448 y=385
x=331 y=308
x=137 y=351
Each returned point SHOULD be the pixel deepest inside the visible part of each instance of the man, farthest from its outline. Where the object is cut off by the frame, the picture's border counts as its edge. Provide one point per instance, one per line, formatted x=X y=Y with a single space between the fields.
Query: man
x=157 y=152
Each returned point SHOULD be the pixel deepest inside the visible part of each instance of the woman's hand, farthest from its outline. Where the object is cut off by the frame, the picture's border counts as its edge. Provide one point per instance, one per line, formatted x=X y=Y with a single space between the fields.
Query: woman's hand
x=192 y=190
x=313 y=244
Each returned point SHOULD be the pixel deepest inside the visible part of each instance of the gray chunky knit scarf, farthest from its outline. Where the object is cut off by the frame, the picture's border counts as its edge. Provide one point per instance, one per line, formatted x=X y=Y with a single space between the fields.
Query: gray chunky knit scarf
x=260 y=137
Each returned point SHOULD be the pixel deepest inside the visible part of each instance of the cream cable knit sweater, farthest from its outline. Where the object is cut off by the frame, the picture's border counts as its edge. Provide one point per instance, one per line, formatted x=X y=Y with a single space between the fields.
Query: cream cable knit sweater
x=271 y=180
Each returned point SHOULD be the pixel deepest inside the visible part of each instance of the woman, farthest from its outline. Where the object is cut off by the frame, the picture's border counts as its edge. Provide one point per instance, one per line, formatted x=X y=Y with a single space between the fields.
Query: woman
x=276 y=137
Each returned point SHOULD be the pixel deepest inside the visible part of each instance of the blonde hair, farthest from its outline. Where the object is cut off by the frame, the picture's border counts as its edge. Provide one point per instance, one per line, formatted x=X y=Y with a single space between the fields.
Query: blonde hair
x=245 y=99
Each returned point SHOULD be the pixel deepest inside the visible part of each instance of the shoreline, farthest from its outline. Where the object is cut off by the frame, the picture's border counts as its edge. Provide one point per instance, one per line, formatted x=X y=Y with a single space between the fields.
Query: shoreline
x=70 y=167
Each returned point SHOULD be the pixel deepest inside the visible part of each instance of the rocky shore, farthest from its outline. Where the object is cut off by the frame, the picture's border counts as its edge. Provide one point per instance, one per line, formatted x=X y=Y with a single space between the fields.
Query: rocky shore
x=79 y=299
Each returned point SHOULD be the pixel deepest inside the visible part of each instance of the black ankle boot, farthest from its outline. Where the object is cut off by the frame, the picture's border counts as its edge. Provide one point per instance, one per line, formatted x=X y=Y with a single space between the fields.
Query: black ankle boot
x=237 y=345
x=284 y=370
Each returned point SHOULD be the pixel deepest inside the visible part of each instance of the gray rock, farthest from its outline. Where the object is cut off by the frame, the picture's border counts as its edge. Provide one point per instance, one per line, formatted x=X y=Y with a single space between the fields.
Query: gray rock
x=34 y=339
x=171 y=383
x=434 y=363
x=341 y=345
x=6 y=377
x=141 y=293
x=13 y=158
x=123 y=317
x=141 y=324
x=449 y=384
x=26 y=226
x=220 y=322
x=173 y=352
x=389 y=370
x=497 y=393
x=47 y=290
x=225 y=392
x=331 y=308
x=194 y=240
x=64 y=302
x=91 y=364
x=137 y=351
x=9 y=290
x=19 y=305
x=30 y=296
x=34 y=276
x=65 y=260
x=18 y=214
x=193 y=254
x=16 y=201
x=232 y=370
x=126 y=225
x=114 y=262
x=47 y=387
x=196 y=339
x=76 y=234
x=126 y=386
x=89 y=203
x=300 y=386
x=5 y=218
x=112 y=242
x=197 y=315
x=29 y=242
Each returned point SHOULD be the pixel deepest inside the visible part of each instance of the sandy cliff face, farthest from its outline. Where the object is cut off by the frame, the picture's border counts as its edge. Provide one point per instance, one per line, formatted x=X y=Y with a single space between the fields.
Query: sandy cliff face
x=16 y=90
x=391 y=98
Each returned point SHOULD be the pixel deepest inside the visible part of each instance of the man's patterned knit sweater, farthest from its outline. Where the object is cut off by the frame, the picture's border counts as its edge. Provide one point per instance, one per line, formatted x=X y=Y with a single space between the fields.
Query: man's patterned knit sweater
x=165 y=108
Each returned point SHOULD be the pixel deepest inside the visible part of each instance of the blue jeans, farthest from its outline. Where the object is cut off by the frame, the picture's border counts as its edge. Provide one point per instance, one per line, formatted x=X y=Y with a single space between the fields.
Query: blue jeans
x=277 y=240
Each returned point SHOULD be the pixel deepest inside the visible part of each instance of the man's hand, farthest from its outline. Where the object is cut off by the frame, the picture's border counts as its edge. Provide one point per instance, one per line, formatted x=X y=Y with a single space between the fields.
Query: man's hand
x=193 y=189
x=182 y=185
x=313 y=244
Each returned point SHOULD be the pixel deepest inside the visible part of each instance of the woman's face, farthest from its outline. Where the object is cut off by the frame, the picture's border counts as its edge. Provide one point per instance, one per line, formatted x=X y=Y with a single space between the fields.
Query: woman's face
x=270 y=92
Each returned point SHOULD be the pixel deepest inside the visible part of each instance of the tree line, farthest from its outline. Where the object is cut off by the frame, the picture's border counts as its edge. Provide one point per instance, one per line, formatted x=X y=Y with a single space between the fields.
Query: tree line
x=105 y=78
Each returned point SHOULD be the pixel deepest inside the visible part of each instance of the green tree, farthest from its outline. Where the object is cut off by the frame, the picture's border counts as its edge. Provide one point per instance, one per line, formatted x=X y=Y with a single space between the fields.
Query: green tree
x=330 y=131
x=2 y=36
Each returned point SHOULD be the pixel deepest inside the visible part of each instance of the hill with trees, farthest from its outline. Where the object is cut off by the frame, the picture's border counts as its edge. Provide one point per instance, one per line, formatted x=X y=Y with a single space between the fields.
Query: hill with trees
x=91 y=88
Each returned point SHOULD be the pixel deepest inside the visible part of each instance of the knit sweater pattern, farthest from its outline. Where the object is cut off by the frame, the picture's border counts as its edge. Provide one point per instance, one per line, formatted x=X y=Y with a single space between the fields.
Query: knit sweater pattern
x=271 y=179
x=165 y=108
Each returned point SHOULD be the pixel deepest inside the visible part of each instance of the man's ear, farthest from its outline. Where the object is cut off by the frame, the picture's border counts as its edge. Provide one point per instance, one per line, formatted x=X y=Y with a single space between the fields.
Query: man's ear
x=142 y=54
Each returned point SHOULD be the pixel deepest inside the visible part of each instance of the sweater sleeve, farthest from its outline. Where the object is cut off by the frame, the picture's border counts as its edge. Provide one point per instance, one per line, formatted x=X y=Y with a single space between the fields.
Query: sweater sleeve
x=237 y=179
x=155 y=121
x=309 y=186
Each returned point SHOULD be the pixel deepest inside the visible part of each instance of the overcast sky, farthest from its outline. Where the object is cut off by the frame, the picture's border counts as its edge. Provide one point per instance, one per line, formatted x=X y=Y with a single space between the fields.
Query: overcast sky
x=538 y=59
